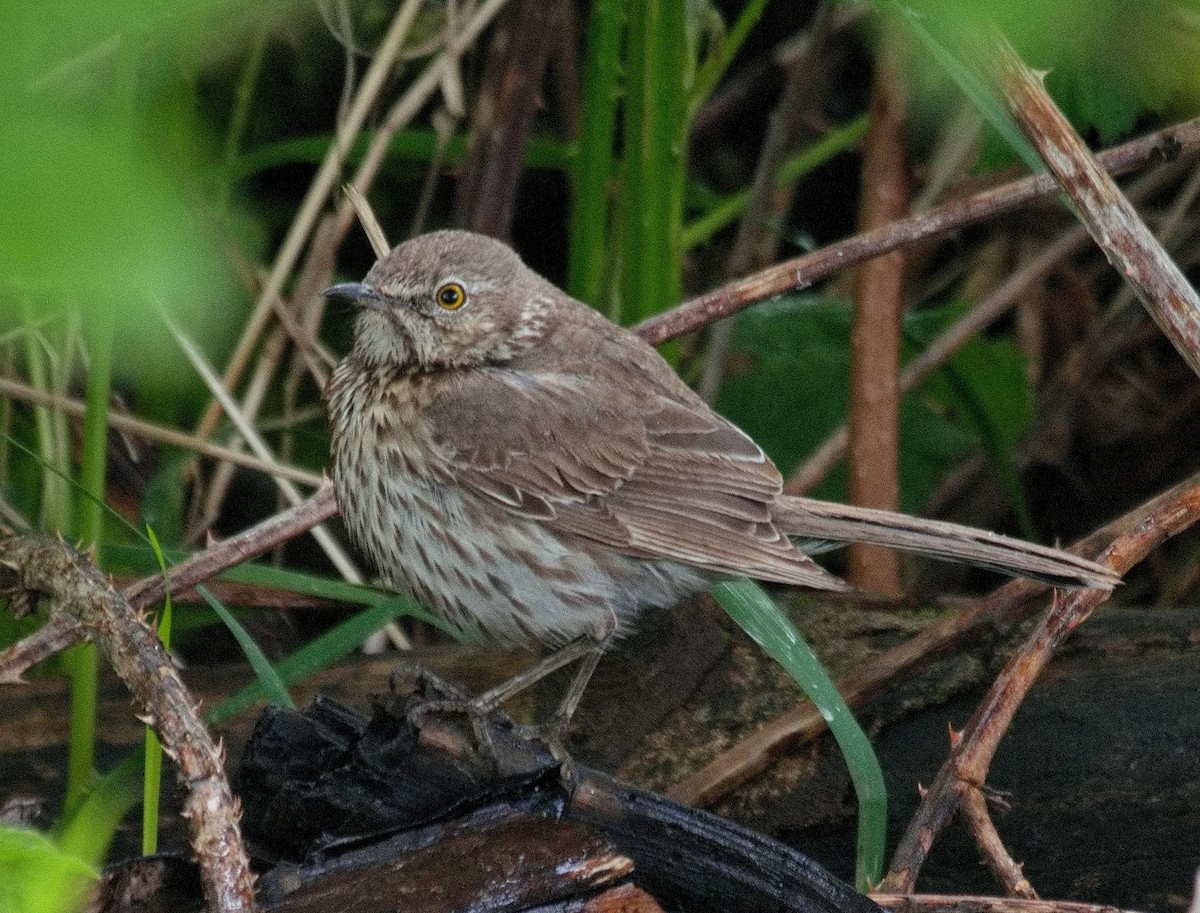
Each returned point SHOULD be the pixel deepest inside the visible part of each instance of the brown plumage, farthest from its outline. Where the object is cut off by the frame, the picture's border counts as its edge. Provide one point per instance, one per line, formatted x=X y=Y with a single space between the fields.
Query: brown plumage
x=528 y=469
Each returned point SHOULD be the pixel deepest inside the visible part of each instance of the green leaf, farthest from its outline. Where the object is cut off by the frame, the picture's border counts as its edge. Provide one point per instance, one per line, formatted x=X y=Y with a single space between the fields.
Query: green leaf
x=759 y=617
x=321 y=653
x=269 y=680
x=986 y=393
x=38 y=877
x=787 y=384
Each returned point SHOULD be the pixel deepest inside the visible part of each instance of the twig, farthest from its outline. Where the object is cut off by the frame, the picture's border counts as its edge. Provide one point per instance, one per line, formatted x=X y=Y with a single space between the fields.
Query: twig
x=76 y=589
x=1005 y=607
x=328 y=544
x=801 y=272
x=510 y=94
x=953 y=903
x=974 y=814
x=169 y=436
x=1141 y=531
x=873 y=431
x=1110 y=218
x=260 y=538
x=59 y=632
x=272 y=532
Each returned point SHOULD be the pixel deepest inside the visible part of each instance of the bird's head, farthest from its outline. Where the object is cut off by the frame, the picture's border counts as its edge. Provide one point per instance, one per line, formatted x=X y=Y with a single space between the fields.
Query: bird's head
x=448 y=299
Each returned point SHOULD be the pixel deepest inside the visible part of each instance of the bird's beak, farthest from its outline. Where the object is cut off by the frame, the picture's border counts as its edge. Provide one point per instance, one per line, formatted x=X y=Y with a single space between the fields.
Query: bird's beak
x=358 y=292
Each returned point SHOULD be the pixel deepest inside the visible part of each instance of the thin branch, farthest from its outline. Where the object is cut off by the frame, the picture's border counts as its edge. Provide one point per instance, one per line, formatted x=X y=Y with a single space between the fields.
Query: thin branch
x=873 y=436
x=1110 y=218
x=260 y=538
x=162 y=435
x=973 y=812
x=953 y=903
x=72 y=585
x=328 y=544
x=802 y=272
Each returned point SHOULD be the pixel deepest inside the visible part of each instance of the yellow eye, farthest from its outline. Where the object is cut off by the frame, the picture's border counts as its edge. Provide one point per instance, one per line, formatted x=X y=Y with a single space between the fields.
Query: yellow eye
x=451 y=296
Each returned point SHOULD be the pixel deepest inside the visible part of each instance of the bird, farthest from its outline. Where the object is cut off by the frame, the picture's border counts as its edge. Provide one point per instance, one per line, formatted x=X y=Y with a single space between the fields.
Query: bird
x=533 y=472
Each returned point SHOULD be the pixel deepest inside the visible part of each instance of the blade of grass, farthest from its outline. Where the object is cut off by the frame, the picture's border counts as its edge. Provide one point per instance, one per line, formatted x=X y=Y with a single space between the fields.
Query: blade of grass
x=836 y=141
x=333 y=645
x=655 y=122
x=87 y=831
x=152 y=779
x=993 y=109
x=141 y=560
x=266 y=676
x=759 y=617
x=710 y=73
x=594 y=169
x=82 y=661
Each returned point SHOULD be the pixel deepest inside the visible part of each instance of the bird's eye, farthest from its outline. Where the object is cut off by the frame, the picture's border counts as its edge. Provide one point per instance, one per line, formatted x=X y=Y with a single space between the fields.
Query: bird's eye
x=451 y=296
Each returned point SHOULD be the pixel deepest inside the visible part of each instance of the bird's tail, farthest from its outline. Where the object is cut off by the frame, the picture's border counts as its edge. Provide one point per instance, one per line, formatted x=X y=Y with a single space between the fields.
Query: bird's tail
x=824 y=520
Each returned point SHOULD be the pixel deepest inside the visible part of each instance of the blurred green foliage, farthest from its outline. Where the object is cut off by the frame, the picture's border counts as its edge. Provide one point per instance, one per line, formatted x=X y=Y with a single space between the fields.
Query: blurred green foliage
x=1108 y=62
x=109 y=204
x=37 y=876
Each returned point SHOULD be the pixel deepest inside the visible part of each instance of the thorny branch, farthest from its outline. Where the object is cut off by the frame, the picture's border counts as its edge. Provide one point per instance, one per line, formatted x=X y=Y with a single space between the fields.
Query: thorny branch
x=1140 y=532
x=32 y=567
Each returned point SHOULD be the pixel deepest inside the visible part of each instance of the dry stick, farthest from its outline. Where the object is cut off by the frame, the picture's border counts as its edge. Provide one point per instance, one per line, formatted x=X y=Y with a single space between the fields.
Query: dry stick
x=1009 y=605
x=510 y=95
x=152 y=432
x=874 y=424
x=318 y=191
x=1110 y=218
x=250 y=543
x=314 y=277
x=76 y=589
x=407 y=107
x=270 y=533
x=325 y=243
x=801 y=272
x=955 y=903
x=974 y=815
x=329 y=545
x=1141 y=532
x=59 y=632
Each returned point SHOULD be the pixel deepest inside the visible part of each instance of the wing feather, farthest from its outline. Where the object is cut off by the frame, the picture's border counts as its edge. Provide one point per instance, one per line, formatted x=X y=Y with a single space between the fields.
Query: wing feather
x=648 y=475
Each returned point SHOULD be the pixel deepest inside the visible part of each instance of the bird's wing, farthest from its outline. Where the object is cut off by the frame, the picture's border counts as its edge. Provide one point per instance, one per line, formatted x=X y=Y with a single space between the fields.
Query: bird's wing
x=638 y=470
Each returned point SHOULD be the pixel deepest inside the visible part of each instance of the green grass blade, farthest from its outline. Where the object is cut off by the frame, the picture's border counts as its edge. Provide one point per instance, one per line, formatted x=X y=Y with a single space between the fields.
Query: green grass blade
x=265 y=674
x=88 y=829
x=730 y=209
x=710 y=73
x=592 y=179
x=759 y=617
x=993 y=110
x=655 y=130
x=152 y=778
x=83 y=662
x=321 y=653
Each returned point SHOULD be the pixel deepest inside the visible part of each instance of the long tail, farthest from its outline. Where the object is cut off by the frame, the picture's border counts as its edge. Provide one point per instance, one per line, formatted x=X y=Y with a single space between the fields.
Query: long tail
x=804 y=517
